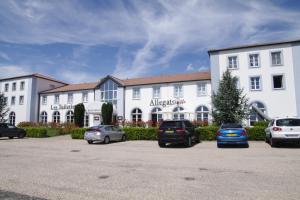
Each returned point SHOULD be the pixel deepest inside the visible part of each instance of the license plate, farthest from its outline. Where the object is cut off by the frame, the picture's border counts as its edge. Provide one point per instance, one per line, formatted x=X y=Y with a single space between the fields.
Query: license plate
x=169 y=131
x=231 y=134
x=292 y=135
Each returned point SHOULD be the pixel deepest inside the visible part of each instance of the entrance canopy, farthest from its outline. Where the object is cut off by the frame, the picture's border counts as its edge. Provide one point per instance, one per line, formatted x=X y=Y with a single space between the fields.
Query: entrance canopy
x=95 y=108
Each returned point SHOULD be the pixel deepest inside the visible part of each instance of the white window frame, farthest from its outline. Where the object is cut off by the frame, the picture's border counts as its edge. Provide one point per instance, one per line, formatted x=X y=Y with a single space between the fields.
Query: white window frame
x=21 y=100
x=13 y=102
x=22 y=85
x=85 y=97
x=70 y=98
x=6 y=89
x=260 y=83
x=229 y=63
x=281 y=58
x=200 y=92
x=136 y=93
x=154 y=94
x=56 y=99
x=283 y=81
x=258 y=60
x=178 y=93
x=44 y=100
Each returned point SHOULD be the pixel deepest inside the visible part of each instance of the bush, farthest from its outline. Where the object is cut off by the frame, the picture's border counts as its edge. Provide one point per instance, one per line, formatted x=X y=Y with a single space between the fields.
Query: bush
x=107 y=112
x=139 y=133
x=78 y=133
x=207 y=132
x=261 y=124
x=36 y=132
x=79 y=111
x=256 y=133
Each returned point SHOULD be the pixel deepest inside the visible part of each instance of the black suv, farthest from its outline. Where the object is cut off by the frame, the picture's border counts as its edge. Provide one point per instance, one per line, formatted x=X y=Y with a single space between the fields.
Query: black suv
x=7 y=130
x=177 y=131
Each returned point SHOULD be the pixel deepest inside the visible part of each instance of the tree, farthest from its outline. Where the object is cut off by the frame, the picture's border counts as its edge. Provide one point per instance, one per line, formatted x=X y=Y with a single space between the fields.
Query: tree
x=230 y=105
x=107 y=111
x=3 y=108
x=79 y=112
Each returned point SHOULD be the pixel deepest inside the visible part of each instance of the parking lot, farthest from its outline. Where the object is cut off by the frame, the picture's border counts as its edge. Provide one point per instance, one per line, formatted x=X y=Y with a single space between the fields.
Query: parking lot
x=61 y=168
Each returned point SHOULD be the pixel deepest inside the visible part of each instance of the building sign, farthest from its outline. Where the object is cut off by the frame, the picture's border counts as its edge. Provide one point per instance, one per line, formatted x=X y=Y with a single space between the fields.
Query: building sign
x=120 y=118
x=62 y=107
x=164 y=103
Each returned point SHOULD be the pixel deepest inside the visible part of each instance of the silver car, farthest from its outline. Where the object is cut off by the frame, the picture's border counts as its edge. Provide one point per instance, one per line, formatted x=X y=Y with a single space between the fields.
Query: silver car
x=104 y=133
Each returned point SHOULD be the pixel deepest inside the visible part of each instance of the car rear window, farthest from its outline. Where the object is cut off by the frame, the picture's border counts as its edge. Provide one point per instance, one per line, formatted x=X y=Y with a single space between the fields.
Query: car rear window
x=171 y=124
x=288 y=122
x=93 y=128
x=231 y=125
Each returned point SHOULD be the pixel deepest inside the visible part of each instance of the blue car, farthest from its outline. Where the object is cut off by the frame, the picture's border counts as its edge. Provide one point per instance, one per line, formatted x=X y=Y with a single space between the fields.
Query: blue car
x=232 y=133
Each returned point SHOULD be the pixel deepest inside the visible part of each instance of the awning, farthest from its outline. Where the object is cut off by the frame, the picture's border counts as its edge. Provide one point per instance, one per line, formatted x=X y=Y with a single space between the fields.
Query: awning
x=95 y=108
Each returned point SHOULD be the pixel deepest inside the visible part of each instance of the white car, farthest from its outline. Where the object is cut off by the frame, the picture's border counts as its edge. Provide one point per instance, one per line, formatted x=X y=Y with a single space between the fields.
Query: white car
x=283 y=130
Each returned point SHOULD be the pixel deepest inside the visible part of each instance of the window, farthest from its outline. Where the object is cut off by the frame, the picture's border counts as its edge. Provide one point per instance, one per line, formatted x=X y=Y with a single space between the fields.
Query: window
x=44 y=100
x=178 y=113
x=85 y=97
x=156 y=115
x=6 y=87
x=44 y=117
x=12 y=118
x=254 y=60
x=14 y=86
x=276 y=58
x=56 y=117
x=86 y=120
x=70 y=116
x=136 y=93
x=278 y=82
x=5 y=100
x=178 y=91
x=13 y=101
x=202 y=113
x=254 y=115
x=21 y=100
x=109 y=91
x=70 y=98
x=232 y=62
x=255 y=83
x=237 y=83
x=136 y=115
x=56 y=99
x=201 y=89
x=22 y=85
x=156 y=92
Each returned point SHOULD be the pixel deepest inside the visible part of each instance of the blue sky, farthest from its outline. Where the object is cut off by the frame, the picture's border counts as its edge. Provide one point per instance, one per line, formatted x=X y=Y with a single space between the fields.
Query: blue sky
x=81 y=41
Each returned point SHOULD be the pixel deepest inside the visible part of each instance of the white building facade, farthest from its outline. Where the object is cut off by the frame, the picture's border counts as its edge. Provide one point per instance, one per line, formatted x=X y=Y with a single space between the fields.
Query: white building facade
x=269 y=74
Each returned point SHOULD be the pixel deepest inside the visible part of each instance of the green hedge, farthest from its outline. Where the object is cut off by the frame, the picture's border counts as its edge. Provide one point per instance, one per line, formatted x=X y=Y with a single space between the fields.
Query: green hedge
x=207 y=132
x=36 y=132
x=261 y=124
x=139 y=133
x=256 y=133
x=78 y=133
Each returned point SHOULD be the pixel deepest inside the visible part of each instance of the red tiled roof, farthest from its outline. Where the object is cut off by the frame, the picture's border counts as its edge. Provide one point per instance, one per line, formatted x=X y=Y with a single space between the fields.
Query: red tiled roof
x=73 y=87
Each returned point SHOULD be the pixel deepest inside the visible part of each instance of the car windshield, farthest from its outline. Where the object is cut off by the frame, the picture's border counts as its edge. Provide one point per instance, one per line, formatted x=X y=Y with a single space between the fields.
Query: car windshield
x=171 y=124
x=288 y=122
x=231 y=125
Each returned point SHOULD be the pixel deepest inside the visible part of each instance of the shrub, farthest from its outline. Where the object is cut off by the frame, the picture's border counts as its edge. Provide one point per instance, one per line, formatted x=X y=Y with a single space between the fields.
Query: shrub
x=78 y=133
x=207 y=132
x=27 y=124
x=79 y=111
x=256 y=133
x=36 y=132
x=107 y=111
x=261 y=124
x=66 y=128
x=139 y=133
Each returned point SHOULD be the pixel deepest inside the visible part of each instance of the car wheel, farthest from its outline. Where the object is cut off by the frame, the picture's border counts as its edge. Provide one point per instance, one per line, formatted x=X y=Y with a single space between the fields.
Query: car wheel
x=106 y=140
x=123 y=138
x=22 y=135
x=246 y=145
x=90 y=141
x=188 y=142
x=219 y=145
x=266 y=140
x=161 y=144
x=10 y=137
x=273 y=143
x=197 y=139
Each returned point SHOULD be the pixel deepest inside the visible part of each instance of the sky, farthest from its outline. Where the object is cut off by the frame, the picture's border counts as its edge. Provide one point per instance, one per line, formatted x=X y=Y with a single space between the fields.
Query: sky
x=82 y=41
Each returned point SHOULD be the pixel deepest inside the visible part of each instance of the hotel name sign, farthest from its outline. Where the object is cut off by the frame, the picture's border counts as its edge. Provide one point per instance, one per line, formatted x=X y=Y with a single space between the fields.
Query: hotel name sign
x=165 y=103
x=62 y=107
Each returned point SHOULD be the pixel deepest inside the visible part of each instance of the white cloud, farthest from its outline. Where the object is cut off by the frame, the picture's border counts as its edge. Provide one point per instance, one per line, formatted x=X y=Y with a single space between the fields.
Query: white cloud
x=12 y=70
x=189 y=67
x=71 y=76
x=4 y=56
x=162 y=29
